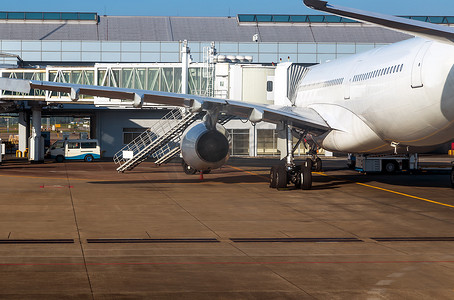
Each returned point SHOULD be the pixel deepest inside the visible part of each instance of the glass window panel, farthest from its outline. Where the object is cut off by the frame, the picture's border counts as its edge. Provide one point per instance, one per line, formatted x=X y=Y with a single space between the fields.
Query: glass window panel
x=268 y=58
x=11 y=45
x=130 y=46
x=264 y=18
x=332 y=19
x=248 y=47
x=151 y=46
x=3 y=15
x=31 y=46
x=91 y=46
x=307 y=48
x=150 y=57
x=170 y=47
x=31 y=56
x=69 y=16
x=70 y=56
x=307 y=58
x=195 y=47
x=315 y=19
x=111 y=46
x=16 y=15
x=268 y=47
x=170 y=57
x=450 y=20
x=51 y=16
x=91 y=56
x=438 y=20
x=33 y=16
x=127 y=78
x=110 y=56
x=420 y=18
x=71 y=46
x=346 y=48
x=326 y=48
x=267 y=142
x=364 y=47
x=228 y=47
x=288 y=47
x=239 y=141
x=51 y=56
x=51 y=46
x=196 y=57
x=281 y=18
x=88 y=16
x=130 y=57
x=323 y=58
x=154 y=76
x=298 y=19
x=246 y=18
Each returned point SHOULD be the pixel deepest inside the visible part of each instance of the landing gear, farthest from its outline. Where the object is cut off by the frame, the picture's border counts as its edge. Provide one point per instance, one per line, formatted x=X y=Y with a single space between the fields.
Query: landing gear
x=290 y=173
x=301 y=176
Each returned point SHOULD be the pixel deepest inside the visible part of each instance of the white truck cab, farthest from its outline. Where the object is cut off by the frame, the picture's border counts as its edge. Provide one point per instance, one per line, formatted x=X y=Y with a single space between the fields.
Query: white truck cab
x=87 y=150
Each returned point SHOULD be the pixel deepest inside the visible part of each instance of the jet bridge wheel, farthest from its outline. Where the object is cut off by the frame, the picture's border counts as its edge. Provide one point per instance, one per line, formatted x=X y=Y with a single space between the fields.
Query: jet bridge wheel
x=452 y=177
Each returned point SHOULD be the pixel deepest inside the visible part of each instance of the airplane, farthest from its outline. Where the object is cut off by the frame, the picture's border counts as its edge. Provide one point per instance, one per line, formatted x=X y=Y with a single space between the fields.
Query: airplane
x=399 y=95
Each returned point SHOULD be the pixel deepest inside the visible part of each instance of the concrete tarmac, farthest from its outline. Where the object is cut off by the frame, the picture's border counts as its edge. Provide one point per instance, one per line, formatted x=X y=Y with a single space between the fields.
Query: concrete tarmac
x=79 y=230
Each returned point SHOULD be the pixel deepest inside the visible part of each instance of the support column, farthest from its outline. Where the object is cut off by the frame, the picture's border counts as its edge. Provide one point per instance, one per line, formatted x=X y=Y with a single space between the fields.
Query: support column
x=36 y=154
x=24 y=130
x=184 y=66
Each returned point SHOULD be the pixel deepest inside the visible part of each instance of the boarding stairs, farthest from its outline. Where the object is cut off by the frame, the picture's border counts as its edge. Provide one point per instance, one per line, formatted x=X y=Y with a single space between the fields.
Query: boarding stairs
x=158 y=141
x=170 y=153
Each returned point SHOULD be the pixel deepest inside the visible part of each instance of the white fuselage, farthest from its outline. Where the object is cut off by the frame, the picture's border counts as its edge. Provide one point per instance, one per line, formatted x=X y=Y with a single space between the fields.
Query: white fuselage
x=402 y=93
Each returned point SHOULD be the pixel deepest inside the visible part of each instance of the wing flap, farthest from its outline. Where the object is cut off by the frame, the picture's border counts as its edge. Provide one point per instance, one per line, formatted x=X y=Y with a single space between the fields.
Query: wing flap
x=412 y=27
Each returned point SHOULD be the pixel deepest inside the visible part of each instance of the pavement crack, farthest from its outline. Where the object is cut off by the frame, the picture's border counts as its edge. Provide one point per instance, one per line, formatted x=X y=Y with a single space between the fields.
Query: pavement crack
x=78 y=234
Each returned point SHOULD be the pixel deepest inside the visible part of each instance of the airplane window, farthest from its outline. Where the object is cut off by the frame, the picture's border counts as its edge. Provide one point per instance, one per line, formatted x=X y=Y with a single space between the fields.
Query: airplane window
x=401 y=67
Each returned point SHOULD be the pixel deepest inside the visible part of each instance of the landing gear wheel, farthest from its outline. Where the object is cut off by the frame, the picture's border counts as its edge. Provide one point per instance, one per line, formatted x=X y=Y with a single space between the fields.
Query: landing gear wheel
x=88 y=158
x=273 y=173
x=281 y=177
x=390 y=167
x=188 y=169
x=452 y=177
x=318 y=164
x=306 y=178
x=59 y=159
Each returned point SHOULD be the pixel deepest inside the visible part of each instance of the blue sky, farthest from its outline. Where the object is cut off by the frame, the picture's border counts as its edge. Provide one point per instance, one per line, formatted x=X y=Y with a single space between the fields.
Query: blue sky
x=226 y=7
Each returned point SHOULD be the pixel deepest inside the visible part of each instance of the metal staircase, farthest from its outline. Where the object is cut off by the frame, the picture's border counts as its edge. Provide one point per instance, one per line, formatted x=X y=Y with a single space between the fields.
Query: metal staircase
x=161 y=141
x=169 y=155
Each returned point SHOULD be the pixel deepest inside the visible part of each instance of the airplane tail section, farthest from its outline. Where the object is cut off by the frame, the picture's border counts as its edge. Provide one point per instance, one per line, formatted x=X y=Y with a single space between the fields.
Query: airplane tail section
x=417 y=28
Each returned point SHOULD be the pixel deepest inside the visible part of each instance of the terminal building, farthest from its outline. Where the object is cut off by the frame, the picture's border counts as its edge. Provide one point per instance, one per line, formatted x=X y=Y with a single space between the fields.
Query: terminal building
x=240 y=58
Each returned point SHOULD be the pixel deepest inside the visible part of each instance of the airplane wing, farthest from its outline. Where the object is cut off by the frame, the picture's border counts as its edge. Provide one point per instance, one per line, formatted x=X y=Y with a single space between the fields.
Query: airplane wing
x=303 y=118
x=417 y=28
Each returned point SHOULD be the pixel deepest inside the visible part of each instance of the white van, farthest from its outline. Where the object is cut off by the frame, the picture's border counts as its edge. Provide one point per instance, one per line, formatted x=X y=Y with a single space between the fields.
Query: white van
x=87 y=150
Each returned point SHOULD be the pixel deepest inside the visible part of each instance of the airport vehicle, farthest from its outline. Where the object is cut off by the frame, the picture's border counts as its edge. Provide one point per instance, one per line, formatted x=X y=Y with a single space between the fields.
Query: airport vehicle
x=391 y=99
x=386 y=163
x=87 y=150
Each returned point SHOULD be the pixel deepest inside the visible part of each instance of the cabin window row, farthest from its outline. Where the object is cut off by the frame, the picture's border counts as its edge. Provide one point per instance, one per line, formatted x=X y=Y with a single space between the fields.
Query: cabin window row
x=378 y=73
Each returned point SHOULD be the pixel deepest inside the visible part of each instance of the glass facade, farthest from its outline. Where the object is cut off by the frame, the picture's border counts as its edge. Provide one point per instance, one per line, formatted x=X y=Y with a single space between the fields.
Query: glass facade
x=239 y=141
x=149 y=52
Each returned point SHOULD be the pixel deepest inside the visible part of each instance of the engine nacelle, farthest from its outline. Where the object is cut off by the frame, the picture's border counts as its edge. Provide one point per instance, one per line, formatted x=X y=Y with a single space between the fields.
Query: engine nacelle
x=204 y=149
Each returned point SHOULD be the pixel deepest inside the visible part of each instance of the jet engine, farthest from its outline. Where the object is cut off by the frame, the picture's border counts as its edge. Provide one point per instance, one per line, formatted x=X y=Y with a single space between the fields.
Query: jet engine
x=204 y=149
